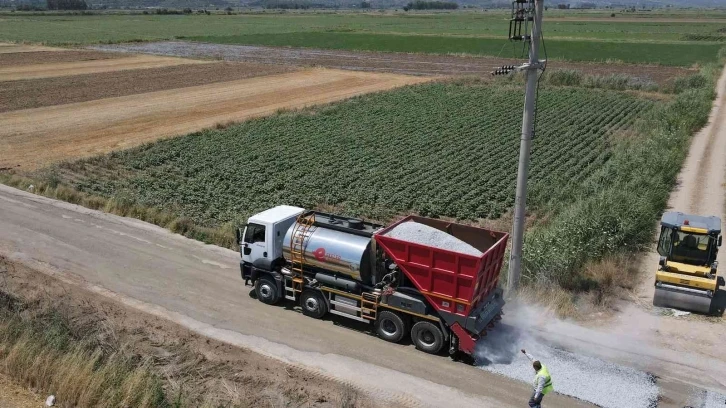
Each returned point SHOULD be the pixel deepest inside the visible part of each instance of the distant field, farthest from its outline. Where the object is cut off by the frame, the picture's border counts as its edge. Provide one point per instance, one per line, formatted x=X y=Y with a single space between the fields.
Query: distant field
x=373 y=156
x=677 y=54
x=667 y=39
x=99 y=28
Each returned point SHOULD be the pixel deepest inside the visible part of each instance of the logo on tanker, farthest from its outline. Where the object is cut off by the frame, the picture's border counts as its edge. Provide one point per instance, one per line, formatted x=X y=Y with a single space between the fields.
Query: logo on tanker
x=322 y=256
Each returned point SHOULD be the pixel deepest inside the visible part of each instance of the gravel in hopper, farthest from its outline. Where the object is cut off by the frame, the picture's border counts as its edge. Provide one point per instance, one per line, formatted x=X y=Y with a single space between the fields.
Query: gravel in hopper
x=418 y=233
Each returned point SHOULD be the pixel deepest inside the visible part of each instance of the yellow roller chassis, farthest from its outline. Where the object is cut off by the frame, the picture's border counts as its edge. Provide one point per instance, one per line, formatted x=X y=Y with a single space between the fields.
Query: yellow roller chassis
x=681 y=279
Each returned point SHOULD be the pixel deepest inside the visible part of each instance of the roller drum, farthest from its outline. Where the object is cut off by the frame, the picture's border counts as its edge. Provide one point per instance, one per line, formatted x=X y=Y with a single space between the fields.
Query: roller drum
x=681 y=298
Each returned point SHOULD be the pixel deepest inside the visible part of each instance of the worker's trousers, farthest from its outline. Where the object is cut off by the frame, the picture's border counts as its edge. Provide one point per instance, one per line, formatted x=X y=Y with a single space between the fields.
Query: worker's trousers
x=535 y=402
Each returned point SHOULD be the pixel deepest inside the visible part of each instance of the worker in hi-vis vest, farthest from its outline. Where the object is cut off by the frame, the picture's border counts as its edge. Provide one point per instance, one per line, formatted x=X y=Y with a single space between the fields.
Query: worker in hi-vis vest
x=542 y=382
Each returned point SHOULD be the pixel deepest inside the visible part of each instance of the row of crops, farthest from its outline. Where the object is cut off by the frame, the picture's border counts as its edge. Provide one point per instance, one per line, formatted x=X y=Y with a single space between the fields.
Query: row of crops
x=442 y=149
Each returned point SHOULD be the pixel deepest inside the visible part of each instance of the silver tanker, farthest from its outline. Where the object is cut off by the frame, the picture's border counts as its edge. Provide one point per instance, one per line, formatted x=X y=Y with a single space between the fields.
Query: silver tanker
x=334 y=250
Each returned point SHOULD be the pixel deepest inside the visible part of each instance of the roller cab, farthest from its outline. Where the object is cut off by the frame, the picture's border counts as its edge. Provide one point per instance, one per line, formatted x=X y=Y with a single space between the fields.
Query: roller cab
x=687 y=275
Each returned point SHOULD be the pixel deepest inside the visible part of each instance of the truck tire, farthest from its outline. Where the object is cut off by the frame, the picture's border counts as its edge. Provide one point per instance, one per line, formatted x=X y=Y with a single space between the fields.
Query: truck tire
x=266 y=290
x=427 y=337
x=390 y=326
x=313 y=304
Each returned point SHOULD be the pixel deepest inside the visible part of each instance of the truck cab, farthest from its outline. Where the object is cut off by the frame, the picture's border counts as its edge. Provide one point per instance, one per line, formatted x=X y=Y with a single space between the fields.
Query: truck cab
x=261 y=240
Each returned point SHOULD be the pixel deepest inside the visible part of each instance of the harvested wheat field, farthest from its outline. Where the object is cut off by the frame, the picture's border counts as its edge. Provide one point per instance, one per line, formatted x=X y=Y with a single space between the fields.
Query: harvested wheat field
x=48 y=70
x=31 y=138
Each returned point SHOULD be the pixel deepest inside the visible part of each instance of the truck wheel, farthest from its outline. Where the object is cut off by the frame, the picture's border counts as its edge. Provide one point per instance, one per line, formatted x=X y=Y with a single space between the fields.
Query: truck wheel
x=313 y=304
x=427 y=337
x=390 y=326
x=266 y=290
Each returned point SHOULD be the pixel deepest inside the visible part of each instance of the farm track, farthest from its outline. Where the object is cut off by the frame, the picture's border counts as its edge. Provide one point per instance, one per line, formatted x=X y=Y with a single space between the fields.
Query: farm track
x=48 y=70
x=411 y=64
x=35 y=93
x=34 y=137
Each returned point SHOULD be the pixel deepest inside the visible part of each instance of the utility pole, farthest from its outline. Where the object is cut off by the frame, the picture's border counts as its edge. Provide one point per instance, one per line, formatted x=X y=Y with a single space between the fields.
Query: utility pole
x=523 y=12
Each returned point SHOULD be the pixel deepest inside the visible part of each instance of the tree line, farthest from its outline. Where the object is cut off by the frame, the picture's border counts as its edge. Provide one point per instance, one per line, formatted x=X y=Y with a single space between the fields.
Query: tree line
x=431 y=5
x=66 y=5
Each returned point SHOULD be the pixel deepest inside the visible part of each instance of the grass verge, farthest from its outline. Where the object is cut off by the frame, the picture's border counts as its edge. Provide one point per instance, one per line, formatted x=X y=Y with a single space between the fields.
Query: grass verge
x=41 y=349
x=121 y=205
x=91 y=351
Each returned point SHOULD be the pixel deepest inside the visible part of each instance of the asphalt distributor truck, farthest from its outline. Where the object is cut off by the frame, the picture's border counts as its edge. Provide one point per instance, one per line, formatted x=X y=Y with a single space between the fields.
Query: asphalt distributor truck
x=442 y=298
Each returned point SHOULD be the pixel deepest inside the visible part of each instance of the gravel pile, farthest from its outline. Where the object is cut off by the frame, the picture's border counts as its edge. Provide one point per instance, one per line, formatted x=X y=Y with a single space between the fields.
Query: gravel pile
x=423 y=234
x=706 y=399
x=586 y=378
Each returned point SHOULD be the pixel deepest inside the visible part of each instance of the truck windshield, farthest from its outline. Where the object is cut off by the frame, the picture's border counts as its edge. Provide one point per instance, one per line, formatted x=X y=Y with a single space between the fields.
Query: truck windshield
x=692 y=248
x=254 y=233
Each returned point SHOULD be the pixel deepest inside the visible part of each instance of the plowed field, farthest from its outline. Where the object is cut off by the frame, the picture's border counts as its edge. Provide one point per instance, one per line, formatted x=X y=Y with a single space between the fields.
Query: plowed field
x=47 y=70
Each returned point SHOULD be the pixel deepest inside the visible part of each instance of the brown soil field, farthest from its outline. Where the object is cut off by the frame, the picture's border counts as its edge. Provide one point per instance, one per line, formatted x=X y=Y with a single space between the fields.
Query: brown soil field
x=401 y=63
x=35 y=93
x=49 y=70
x=31 y=138
x=55 y=56
x=7 y=48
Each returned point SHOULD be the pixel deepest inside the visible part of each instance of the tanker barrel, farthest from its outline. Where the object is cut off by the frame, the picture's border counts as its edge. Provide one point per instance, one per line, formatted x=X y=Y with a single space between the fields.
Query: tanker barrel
x=337 y=245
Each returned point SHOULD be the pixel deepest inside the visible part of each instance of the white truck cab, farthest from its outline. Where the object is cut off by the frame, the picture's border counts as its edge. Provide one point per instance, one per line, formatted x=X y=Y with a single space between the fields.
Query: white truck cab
x=261 y=239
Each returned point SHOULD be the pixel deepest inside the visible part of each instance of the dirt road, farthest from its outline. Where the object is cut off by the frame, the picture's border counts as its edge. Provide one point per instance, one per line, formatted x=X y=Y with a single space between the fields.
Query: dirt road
x=401 y=63
x=33 y=137
x=49 y=70
x=199 y=286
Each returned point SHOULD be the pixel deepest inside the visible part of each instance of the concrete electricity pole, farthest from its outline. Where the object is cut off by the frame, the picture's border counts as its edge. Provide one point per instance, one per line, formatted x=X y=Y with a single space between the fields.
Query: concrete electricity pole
x=532 y=69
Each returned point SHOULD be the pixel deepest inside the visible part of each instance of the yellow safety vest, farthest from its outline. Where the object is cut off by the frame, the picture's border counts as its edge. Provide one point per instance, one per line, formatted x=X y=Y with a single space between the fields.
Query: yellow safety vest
x=548 y=380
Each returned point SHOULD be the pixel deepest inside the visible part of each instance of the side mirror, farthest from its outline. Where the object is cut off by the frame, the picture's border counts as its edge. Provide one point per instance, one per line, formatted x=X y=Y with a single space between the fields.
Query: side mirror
x=246 y=250
x=720 y=240
x=238 y=234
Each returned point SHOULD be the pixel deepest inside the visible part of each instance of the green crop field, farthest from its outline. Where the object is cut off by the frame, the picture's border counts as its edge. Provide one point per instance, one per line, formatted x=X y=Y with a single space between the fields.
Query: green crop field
x=438 y=149
x=665 y=39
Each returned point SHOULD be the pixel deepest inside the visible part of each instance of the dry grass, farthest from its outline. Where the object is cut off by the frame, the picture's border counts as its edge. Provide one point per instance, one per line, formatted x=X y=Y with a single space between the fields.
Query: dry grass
x=38 y=350
x=604 y=283
x=554 y=298
x=93 y=352
x=612 y=278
